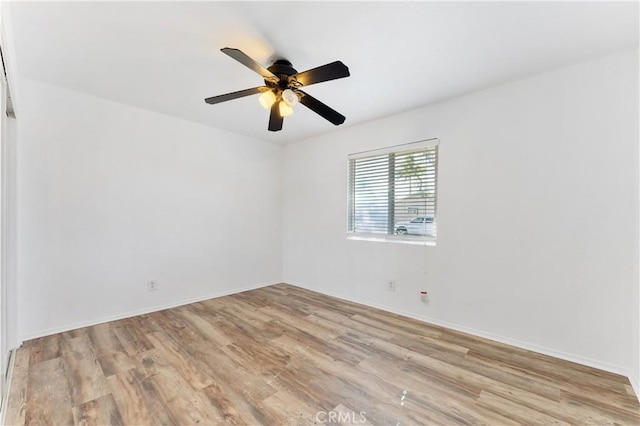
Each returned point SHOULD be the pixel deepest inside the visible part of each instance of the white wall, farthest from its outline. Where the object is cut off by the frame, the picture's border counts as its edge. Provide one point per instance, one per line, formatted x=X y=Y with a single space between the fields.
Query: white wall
x=111 y=196
x=13 y=339
x=537 y=215
x=635 y=370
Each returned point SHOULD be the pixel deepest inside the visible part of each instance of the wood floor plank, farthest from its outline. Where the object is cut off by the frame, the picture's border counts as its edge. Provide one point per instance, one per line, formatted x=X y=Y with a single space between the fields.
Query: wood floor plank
x=241 y=308
x=329 y=303
x=18 y=393
x=179 y=359
x=143 y=325
x=299 y=339
x=72 y=334
x=344 y=324
x=108 y=349
x=48 y=398
x=546 y=370
x=241 y=327
x=517 y=412
x=381 y=391
x=130 y=398
x=150 y=361
x=289 y=410
x=86 y=378
x=131 y=338
x=315 y=328
x=166 y=393
x=286 y=355
x=346 y=416
x=235 y=408
x=99 y=412
x=626 y=410
x=505 y=374
x=232 y=372
x=103 y=340
x=393 y=325
x=207 y=328
x=45 y=348
x=184 y=404
x=169 y=323
x=445 y=406
x=263 y=360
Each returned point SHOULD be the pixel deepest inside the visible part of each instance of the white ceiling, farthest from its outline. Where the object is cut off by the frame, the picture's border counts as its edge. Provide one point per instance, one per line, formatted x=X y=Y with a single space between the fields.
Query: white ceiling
x=165 y=57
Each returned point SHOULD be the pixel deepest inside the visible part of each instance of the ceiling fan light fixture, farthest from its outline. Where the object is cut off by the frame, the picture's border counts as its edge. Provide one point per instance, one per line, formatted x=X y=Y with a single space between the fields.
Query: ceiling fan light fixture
x=289 y=97
x=267 y=99
x=282 y=84
x=285 y=109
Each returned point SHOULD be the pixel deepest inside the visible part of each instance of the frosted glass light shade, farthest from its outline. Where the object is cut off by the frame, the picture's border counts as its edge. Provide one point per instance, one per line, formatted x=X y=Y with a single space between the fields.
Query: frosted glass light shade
x=289 y=97
x=285 y=110
x=267 y=99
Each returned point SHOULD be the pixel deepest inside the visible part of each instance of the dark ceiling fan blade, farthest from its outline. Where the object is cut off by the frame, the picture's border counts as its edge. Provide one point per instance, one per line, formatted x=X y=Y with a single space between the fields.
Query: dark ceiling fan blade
x=239 y=56
x=236 y=95
x=327 y=72
x=318 y=107
x=275 y=119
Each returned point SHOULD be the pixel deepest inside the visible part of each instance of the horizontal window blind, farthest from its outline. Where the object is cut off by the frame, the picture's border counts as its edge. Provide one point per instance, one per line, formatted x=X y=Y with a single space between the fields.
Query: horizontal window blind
x=394 y=193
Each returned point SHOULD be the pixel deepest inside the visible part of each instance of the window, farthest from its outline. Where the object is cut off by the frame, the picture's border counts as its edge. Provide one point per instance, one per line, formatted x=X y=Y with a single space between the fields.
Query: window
x=392 y=193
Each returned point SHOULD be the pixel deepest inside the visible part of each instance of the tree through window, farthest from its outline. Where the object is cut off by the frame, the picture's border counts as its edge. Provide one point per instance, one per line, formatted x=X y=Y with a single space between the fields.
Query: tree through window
x=393 y=192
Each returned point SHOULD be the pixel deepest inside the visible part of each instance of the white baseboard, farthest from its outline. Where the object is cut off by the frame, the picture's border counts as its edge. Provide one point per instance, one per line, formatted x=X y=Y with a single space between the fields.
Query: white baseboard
x=480 y=333
x=635 y=386
x=148 y=310
x=7 y=387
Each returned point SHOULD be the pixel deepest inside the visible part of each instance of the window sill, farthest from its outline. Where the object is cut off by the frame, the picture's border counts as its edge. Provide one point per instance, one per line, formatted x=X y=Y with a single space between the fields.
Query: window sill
x=391 y=239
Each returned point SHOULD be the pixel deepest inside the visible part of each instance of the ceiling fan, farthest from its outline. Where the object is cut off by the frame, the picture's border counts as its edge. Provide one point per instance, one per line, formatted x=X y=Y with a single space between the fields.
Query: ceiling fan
x=281 y=90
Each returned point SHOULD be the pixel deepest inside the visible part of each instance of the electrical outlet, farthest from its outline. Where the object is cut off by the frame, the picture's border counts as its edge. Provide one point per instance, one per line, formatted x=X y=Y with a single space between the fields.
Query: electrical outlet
x=391 y=285
x=152 y=285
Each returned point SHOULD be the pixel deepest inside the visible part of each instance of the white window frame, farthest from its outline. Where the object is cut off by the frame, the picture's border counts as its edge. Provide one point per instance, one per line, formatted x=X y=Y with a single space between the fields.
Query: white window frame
x=392 y=238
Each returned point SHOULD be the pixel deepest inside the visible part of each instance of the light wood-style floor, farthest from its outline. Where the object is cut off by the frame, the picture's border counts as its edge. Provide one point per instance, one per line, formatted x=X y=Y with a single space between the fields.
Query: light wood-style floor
x=282 y=355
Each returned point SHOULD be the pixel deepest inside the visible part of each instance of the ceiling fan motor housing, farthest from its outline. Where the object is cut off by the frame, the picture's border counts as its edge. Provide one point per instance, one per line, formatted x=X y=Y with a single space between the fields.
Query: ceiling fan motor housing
x=283 y=69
